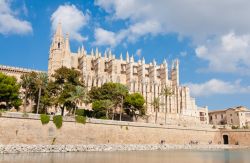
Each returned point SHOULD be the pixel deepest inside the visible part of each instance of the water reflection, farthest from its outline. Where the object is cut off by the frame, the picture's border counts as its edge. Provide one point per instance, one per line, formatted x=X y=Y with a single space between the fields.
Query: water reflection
x=131 y=157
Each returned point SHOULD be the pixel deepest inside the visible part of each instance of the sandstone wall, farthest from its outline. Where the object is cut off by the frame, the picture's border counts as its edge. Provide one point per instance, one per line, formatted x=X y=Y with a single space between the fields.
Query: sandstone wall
x=31 y=131
x=241 y=137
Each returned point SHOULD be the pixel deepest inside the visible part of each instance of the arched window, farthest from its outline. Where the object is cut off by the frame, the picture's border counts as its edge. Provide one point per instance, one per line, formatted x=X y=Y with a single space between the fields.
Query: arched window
x=59 y=45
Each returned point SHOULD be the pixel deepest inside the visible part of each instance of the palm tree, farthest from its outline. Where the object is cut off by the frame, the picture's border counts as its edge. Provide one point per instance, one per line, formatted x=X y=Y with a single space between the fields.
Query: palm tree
x=108 y=105
x=167 y=92
x=41 y=81
x=25 y=83
x=80 y=94
x=156 y=105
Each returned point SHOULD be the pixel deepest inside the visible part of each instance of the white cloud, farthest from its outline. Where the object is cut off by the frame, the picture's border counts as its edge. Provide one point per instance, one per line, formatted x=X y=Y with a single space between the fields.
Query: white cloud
x=228 y=53
x=72 y=19
x=131 y=34
x=192 y=18
x=10 y=23
x=216 y=87
x=104 y=37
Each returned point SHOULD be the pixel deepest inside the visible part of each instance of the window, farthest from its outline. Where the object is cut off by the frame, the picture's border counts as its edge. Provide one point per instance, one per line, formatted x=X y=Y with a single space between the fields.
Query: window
x=237 y=114
x=147 y=72
x=231 y=120
x=215 y=116
x=135 y=70
x=211 y=118
x=221 y=116
x=123 y=68
x=231 y=115
x=58 y=45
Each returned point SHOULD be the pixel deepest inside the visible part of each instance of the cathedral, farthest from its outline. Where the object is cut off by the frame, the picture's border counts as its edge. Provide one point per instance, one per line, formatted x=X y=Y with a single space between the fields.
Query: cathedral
x=149 y=79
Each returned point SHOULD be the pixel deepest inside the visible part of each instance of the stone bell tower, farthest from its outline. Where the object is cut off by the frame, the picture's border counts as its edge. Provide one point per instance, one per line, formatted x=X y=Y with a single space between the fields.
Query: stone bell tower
x=57 y=50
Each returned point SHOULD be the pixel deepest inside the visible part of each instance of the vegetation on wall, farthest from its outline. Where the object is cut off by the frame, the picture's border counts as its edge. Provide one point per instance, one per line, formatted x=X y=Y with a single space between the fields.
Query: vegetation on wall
x=58 y=120
x=44 y=119
x=80 y=119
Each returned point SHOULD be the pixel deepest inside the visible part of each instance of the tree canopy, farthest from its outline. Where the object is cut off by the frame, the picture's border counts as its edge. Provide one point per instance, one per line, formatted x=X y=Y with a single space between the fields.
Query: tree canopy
x=9 y=91
x=66 y=88
x=134 y=104
x=35 y=89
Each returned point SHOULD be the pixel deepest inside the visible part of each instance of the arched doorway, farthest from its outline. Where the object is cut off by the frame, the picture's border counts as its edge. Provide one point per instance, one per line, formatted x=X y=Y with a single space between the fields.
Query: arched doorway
x=225 y=139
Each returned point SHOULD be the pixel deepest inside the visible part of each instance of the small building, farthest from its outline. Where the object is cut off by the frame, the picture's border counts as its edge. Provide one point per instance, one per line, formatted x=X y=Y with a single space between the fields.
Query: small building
x=238 y=116
x=203 y=114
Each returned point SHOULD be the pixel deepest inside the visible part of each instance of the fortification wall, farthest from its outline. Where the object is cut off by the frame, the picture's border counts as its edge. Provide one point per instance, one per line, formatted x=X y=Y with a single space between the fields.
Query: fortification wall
x=241 y=137
x=31 y=131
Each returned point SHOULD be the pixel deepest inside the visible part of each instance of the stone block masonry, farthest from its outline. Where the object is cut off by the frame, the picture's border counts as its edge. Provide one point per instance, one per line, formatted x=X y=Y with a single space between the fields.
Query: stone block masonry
x=31 y=131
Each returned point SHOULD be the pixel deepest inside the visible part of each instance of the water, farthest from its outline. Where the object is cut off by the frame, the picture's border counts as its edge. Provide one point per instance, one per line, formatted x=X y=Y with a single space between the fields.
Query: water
x=180 y=156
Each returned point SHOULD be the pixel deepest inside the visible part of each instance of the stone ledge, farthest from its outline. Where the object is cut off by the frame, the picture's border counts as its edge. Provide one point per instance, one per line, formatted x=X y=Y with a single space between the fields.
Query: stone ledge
x=37 y=148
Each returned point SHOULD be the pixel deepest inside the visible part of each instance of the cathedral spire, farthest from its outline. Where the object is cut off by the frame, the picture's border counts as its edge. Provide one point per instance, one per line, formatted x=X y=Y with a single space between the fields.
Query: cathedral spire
x=92 y=52
x=79 y=50
x=105 y=54
x=164 y=62
x=154 y=62
x=110 y=54
x=67 y=45
x=59 y=30
x=121 y=58
x=132 y=58
x=96 y=52
x=143 y=60
x=127 y=57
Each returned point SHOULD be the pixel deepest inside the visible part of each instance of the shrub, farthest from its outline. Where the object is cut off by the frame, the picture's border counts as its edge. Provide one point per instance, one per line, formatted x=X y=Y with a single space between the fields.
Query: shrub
x=44 y=119
x=235 y=127
x=80 y=112
x=246 y=127
x=57 y=120
x=80 y=119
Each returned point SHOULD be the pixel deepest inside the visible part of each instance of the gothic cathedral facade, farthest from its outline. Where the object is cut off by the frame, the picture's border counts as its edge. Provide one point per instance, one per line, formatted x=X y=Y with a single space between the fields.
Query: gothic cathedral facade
x=148 y=79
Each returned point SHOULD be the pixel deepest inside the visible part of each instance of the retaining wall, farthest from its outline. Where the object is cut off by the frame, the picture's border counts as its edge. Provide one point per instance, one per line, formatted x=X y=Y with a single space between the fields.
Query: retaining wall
x=19 y=130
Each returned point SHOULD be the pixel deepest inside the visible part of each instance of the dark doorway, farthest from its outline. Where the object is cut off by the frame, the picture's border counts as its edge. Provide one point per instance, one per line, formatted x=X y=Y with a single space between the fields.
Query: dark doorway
x=225 y=139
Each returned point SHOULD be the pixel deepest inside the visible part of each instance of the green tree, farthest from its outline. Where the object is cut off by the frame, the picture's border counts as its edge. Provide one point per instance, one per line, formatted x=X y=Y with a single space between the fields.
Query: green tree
x=156 y=104
x=167 y=92
x=114 y=92
x=9 y=91
x=101 y=108
x=41 y=82
x=26 y=82
x=80 y=94
x=35 y=86
x=65 y=82
x=135 y=105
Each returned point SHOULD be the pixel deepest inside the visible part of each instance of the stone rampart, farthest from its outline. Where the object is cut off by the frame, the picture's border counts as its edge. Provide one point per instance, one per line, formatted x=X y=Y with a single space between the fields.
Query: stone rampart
x=23 y=130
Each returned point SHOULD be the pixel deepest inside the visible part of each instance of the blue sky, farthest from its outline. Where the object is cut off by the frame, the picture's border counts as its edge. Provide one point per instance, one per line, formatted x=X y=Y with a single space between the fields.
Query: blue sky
x=210 y=38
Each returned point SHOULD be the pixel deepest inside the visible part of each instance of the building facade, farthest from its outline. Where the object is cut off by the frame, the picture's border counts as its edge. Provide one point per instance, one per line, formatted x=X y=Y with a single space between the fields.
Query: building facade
x=148 y=79
x=238 y=116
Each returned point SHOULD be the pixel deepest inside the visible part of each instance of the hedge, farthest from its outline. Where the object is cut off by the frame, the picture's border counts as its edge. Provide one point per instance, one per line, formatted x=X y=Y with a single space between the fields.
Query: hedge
x=80 y=119
x=57 y=120
x=44 y=119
